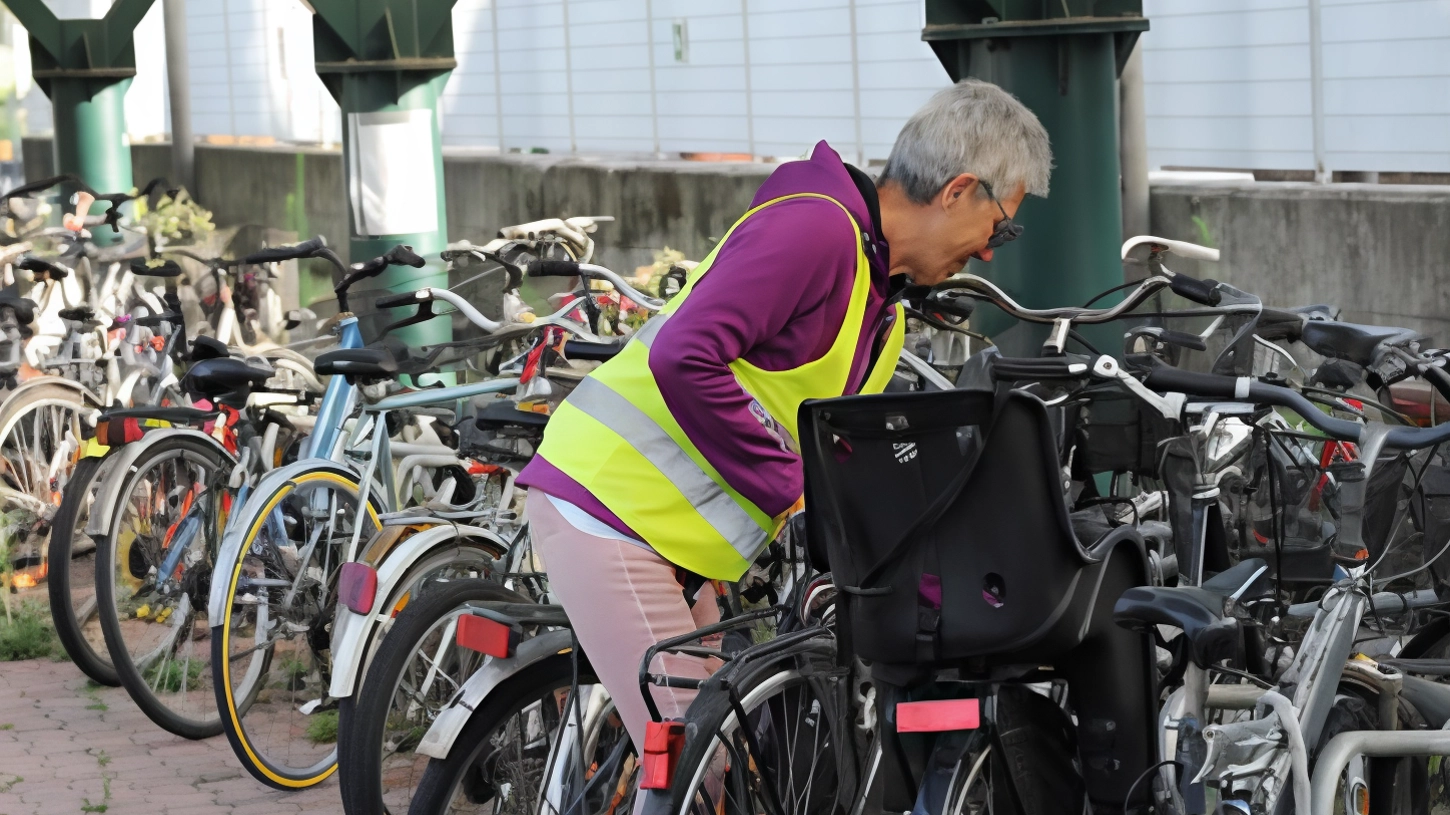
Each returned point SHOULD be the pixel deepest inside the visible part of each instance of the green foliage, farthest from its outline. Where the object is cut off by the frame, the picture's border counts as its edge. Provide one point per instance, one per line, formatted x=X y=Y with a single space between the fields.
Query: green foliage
x=322 y=727
x=27 y=633
x=167 y=676
x=175 y=220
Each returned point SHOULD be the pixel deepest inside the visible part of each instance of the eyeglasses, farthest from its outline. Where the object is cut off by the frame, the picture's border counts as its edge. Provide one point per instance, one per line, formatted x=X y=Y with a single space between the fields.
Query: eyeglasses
x=1006 y=231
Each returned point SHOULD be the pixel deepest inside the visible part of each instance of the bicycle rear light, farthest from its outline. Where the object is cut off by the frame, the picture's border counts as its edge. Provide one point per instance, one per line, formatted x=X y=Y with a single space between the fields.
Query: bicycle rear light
x=357 y=587
x=486 y=636
x=938 y=716
x=663 y=742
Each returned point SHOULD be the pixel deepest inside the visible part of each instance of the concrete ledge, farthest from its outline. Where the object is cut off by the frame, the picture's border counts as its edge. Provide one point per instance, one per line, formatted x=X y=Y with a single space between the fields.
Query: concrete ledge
x=1380 y=252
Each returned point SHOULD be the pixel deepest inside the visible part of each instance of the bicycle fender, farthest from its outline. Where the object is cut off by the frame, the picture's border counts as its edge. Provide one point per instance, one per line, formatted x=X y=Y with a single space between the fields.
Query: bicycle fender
x=351 y=631
x=438 y=741
x=119 y=466
x=234 y=538
x=41 y=381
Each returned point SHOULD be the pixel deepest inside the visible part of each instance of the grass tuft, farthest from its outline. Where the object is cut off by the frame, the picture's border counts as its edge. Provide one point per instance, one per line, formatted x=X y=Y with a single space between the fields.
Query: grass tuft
x=28 y=634
x=322 y=727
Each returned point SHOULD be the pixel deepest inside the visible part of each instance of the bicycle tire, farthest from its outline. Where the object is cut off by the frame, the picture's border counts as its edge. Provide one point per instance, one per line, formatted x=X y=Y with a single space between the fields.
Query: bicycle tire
x=712 y=715
x=191 y=717
x=93 y=659
x=445 y=778
x=364 y=716
x=30 y=487
x=234 y=703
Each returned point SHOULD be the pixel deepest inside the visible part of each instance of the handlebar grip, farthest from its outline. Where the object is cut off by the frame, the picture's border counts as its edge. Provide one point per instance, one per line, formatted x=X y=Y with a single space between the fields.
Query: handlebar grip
x=1006 y=369
x=553 y=268
x=1212 y=386
x=1277 y=324
x=41 y=266
x=403 y=255
x=1182 y=339
x=274 y=254
x=1203 y=292
x=394 y=300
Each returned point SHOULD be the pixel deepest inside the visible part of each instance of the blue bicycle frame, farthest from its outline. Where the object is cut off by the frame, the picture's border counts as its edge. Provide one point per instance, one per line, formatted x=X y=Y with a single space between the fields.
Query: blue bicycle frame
x=338 y=400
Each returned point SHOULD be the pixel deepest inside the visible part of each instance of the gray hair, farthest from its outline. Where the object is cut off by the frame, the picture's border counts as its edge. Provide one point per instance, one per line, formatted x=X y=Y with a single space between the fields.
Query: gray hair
x=971 y=127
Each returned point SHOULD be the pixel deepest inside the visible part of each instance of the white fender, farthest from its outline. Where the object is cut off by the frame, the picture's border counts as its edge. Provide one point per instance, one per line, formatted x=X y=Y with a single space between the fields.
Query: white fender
x=352 y=632
x=42 y=381
x=119 y=466
x=438 y=741
x=234 y=538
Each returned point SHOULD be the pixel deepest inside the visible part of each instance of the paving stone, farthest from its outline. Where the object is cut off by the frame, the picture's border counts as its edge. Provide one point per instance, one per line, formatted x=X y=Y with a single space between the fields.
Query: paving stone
x=57 y=738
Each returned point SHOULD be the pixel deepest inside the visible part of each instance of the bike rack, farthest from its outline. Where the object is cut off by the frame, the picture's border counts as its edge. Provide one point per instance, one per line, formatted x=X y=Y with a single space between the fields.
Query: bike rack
x=1373 y=743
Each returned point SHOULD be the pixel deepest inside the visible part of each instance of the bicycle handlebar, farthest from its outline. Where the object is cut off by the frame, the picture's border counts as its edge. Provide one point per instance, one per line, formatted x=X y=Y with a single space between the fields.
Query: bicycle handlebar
x=1229 y=388
x=277 y=254
x=1203 y=292
x=553 y=268
x=987 y=290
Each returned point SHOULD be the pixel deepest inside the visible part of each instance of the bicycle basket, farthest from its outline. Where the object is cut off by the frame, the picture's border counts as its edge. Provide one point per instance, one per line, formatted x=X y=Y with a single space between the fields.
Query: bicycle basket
x=943 y=521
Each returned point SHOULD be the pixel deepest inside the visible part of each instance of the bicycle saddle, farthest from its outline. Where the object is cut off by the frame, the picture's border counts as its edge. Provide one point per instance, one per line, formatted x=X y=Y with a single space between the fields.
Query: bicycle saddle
x=383 y=360
x=204 y=347
x=163 y=268
x=1197 y=610
x=175 y=415
x=79 y=314
x=24 y=308
x=225 y=378
x=1356 y=343
x=503 y=413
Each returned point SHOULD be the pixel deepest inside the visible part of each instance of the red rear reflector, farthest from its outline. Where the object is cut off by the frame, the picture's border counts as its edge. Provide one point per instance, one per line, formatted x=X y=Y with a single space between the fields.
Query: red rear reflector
x=357 y=585
x=938 y=716
x=485 y=636
x=663 y=742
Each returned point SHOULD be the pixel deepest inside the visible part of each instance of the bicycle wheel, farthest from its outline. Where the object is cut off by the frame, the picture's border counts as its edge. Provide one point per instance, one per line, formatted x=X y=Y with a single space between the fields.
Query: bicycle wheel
x=786 y=760
x=418 y=670
x=272 y=650
x=40 y=430
x=153 y=571
x=72 y=576
x=501 y=758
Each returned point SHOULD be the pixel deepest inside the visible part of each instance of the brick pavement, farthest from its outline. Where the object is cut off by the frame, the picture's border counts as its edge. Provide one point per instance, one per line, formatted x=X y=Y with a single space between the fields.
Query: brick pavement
x=64 y=742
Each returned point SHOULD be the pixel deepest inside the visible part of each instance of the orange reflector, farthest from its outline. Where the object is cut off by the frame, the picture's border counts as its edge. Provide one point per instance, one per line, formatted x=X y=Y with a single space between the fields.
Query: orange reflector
x=486 y=636
x=663 y=742
x=1362 y=554
x=938 y=716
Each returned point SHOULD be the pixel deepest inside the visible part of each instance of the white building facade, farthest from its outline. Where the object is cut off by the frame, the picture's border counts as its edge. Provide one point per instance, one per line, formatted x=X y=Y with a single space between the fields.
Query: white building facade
x=1228 y=82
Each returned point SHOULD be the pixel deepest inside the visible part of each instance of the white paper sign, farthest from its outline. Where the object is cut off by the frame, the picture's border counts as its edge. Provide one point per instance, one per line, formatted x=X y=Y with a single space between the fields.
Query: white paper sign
x=394 y=188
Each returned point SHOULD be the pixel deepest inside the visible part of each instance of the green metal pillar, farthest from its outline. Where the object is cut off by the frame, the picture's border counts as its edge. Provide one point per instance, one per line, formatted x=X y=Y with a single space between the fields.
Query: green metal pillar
x=386 y=62
x=1061 y=58
x=85 y=67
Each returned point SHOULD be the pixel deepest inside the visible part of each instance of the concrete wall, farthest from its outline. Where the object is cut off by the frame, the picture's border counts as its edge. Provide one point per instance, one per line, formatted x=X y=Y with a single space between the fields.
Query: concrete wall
x=1380 y=252
x=681 y=204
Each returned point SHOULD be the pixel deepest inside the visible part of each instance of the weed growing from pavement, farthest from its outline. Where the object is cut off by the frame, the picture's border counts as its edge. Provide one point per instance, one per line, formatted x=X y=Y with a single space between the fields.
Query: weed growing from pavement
x=11 y=781
x=27 y=633
x=7 y=726
x=102 y=759
x=322 y=728
x=89 y=691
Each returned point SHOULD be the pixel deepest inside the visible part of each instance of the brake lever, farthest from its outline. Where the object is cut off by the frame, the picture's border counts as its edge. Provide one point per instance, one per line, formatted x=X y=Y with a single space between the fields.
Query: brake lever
x=423 y=314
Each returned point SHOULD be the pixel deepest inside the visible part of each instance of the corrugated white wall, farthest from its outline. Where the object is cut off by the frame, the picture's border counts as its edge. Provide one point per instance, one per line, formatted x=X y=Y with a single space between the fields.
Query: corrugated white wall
x=1227 y=84
x=1227 y=81
x=577 y=75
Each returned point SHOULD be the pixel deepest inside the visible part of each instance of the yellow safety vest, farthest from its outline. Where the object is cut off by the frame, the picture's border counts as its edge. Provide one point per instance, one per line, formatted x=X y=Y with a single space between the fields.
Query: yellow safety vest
x=615 y=436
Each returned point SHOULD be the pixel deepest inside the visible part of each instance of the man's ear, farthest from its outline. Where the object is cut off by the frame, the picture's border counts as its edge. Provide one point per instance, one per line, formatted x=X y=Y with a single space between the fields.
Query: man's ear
x=959 y=189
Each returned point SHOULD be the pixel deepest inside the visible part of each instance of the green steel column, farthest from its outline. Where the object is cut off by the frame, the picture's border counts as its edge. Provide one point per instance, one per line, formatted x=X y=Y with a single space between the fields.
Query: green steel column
x=383 y=59
x=1061 y=59
x=85 y=67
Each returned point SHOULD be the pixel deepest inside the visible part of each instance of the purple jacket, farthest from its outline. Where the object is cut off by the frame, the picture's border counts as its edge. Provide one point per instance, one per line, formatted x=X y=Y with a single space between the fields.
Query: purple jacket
x=776 y=296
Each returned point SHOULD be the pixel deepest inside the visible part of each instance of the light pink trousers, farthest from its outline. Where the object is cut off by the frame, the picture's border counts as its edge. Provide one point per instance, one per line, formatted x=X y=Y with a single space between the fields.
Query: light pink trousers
x=621 y=599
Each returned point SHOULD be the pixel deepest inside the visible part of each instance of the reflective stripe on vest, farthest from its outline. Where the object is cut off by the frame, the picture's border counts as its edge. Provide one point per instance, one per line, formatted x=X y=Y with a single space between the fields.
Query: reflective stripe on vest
x=616 y=437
